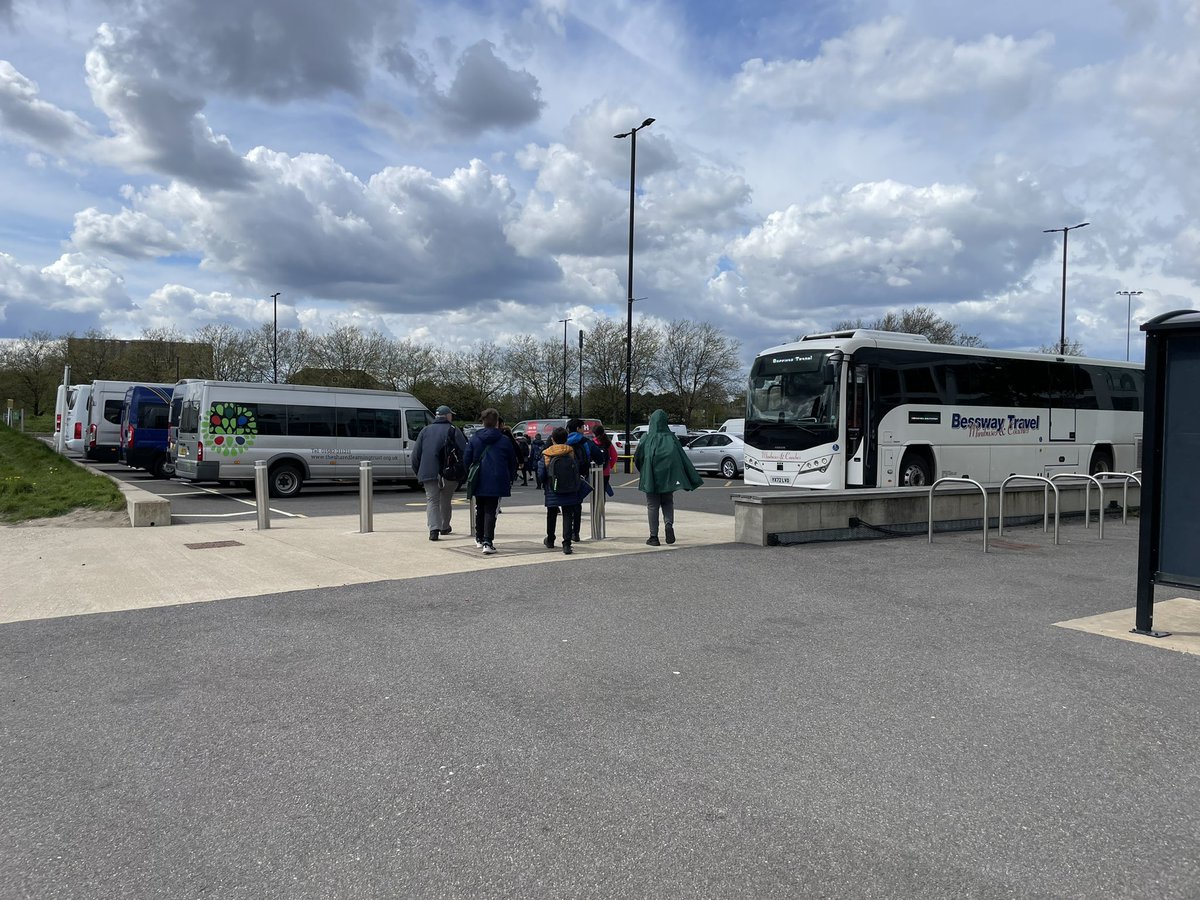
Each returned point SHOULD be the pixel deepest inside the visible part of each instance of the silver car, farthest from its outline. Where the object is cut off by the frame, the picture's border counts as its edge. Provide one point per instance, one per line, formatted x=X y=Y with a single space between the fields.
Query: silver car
x=720 y=453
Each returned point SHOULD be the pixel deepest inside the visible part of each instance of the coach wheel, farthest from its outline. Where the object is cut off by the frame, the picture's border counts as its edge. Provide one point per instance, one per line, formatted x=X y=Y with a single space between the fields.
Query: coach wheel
x=1101 y=462
x=728 y=468
x=285 y=480
x=915 y=470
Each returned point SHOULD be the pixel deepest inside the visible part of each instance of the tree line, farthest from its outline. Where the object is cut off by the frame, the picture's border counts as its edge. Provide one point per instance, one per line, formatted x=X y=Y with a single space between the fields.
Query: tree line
x=689 y=369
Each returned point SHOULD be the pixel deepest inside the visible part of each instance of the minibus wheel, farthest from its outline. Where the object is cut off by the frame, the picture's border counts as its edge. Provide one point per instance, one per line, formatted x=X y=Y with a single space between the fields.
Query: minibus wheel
x=163 y=468
x=285 y=480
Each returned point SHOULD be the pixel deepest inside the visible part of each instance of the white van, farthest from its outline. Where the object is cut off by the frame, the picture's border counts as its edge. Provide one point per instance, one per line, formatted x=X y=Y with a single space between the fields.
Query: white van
x=63 y=398
x=103 y=441
x=736 y=427
x=76 y=422
x=642 y=430
x=303 y=433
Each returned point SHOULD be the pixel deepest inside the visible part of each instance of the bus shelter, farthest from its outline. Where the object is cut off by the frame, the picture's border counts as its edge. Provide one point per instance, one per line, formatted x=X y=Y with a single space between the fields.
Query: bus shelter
x=1170 y=528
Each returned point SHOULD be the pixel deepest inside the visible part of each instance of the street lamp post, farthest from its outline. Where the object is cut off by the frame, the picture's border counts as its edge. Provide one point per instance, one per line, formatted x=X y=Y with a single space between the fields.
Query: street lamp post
x=275 y=336
x=1129 y=295
x=564 y=325
x=581 y=373
x=632 y=135
x=1062 y=331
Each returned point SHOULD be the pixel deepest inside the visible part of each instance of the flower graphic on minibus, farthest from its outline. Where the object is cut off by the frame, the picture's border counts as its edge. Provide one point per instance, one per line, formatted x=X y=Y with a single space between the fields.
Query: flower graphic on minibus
x=229 y=429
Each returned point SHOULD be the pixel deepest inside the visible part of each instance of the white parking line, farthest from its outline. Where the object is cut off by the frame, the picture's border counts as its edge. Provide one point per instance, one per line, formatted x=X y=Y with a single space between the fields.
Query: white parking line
x=244 y=512
x=253 y=503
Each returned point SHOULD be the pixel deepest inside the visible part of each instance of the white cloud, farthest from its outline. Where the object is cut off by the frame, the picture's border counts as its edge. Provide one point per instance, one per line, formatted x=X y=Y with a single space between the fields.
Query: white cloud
x=880 y=67
x=129 y=233
x=27 y=117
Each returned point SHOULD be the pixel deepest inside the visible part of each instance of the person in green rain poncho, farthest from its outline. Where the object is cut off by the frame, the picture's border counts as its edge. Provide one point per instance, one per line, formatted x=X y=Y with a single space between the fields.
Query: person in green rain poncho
x=663 y=468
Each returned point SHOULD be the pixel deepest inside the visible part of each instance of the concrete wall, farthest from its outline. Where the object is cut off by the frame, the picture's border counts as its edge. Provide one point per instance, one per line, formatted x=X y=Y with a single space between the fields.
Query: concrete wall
x=758 y=516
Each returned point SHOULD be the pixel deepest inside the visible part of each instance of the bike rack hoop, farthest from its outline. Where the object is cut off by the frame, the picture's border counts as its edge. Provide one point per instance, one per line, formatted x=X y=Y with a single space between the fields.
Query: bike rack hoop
x=982 y=490
x=1047 y=486
x=1087 y=497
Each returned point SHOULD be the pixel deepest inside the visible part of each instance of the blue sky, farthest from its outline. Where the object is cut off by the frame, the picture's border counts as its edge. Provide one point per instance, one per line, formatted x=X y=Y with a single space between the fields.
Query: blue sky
x=447 y=172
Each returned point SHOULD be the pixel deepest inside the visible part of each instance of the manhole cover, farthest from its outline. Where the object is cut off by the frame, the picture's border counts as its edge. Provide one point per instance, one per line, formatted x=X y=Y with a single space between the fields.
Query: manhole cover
x=213 y=545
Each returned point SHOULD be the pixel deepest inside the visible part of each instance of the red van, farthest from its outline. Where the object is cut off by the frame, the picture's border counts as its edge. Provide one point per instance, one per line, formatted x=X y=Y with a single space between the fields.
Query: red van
x=546 y=427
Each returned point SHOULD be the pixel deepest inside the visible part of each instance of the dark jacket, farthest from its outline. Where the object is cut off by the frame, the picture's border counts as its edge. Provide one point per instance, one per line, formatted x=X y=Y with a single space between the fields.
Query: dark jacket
x=554 y=498
x=427 y=451
x=498 y=467
x=586 y=450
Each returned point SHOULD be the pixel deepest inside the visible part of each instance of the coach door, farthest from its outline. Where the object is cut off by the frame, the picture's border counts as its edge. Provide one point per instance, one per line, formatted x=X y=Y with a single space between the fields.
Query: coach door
x=860 y=448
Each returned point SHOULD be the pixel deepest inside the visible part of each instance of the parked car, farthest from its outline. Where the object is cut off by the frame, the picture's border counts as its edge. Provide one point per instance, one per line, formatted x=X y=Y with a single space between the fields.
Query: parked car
x=721 y=453
x=618 y=439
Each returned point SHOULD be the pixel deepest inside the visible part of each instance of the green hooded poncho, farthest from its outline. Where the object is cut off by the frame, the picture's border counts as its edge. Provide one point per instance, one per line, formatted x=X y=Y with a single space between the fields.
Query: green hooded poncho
x=662 y=465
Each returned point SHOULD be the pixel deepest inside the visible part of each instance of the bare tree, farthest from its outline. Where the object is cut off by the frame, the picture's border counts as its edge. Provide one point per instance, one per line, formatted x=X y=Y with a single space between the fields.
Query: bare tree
x=918 y=320
x=604 y=364
x=232 y=353
x=698 y=364
x=476 y=379
x=295 y=352
x=535 y=370
x=33 y=365
x=1074 y=348
x=409 y=365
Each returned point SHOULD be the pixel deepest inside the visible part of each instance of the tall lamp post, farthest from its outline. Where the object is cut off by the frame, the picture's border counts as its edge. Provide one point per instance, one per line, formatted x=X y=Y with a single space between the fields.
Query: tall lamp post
x=564 y=325
x=632 y=135
x=275 y=336
x=581 y=373
x=1062 y=330
x=1128 y=295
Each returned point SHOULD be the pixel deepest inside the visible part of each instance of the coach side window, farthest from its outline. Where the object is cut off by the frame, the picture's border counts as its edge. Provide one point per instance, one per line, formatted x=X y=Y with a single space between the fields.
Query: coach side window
x=311 y=421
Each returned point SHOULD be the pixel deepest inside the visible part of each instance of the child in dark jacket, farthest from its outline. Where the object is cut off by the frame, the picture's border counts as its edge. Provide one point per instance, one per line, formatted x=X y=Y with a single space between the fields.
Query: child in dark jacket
x=569 y=501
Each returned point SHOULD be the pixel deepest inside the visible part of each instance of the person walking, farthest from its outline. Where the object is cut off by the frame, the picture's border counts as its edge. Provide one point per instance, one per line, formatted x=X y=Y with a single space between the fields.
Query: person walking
x=604 y=442
x=558 y=472
x=493 y=450
x=586 y=453
x=535 y=456
x=663 y=468
x=522 y=442
x=428 y=460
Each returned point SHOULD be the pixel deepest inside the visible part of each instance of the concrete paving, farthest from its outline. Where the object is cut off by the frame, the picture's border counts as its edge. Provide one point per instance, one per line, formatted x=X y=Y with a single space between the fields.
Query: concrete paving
x=871 y=719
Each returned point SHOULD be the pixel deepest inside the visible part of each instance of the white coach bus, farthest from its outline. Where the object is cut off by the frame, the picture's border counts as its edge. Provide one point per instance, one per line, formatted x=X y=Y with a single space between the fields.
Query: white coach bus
x=303 y=433
x=879 y=409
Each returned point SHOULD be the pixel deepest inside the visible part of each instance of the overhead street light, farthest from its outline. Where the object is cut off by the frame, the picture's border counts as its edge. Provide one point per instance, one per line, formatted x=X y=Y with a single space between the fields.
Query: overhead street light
x=1062 y=330
x=1128 y=295
x=632 y=135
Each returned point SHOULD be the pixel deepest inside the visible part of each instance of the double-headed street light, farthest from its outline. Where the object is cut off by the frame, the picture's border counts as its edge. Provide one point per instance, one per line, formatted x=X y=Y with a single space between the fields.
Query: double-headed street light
x=632 y=135
x=1128 y=295
x=1062 y=331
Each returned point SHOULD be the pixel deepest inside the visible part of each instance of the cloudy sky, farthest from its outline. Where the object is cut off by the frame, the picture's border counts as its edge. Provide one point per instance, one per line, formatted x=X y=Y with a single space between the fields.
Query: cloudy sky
x=447 y=171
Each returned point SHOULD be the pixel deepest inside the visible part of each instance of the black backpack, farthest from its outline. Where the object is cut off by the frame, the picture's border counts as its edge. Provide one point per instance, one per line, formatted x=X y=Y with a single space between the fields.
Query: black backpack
x=564 y=474
x=450 y=460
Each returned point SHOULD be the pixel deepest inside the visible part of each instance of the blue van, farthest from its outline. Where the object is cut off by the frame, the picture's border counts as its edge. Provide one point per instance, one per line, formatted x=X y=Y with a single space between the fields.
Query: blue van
x=144 y=416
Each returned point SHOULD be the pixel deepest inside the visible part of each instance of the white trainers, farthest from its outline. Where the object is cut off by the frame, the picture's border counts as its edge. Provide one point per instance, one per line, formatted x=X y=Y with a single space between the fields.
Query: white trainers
x=479 y=545
x=488 y=549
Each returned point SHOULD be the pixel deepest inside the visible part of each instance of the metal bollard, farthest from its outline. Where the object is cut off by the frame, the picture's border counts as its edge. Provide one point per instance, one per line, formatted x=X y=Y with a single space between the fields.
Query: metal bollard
x=599 y=498
x=262 y=496
x=366 y=498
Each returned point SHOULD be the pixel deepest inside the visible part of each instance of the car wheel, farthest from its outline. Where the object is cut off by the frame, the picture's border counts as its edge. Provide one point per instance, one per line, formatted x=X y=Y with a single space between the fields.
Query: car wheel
x=163 y=468
x=285 y=481
x=728 y=468
x=915 y=470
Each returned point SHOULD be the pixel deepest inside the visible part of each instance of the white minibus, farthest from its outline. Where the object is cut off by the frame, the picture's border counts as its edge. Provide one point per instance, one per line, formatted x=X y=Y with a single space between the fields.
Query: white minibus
x=302 y=432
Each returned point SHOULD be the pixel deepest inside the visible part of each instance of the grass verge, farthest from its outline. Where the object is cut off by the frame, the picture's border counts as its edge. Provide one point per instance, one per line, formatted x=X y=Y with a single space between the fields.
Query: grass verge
x=37 y=483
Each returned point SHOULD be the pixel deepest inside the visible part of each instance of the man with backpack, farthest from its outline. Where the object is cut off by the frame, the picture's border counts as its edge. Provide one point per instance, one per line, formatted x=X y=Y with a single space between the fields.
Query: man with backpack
x=558 y=472
x=587 y=454
x=437 y=458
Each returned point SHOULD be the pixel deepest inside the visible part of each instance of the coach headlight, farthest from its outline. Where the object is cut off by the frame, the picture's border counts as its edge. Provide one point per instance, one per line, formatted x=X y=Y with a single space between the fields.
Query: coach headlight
x=820 y=464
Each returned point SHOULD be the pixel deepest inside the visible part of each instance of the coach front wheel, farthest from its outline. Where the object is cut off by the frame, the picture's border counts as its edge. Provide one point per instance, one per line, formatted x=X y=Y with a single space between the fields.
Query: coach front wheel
x=915 y=470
